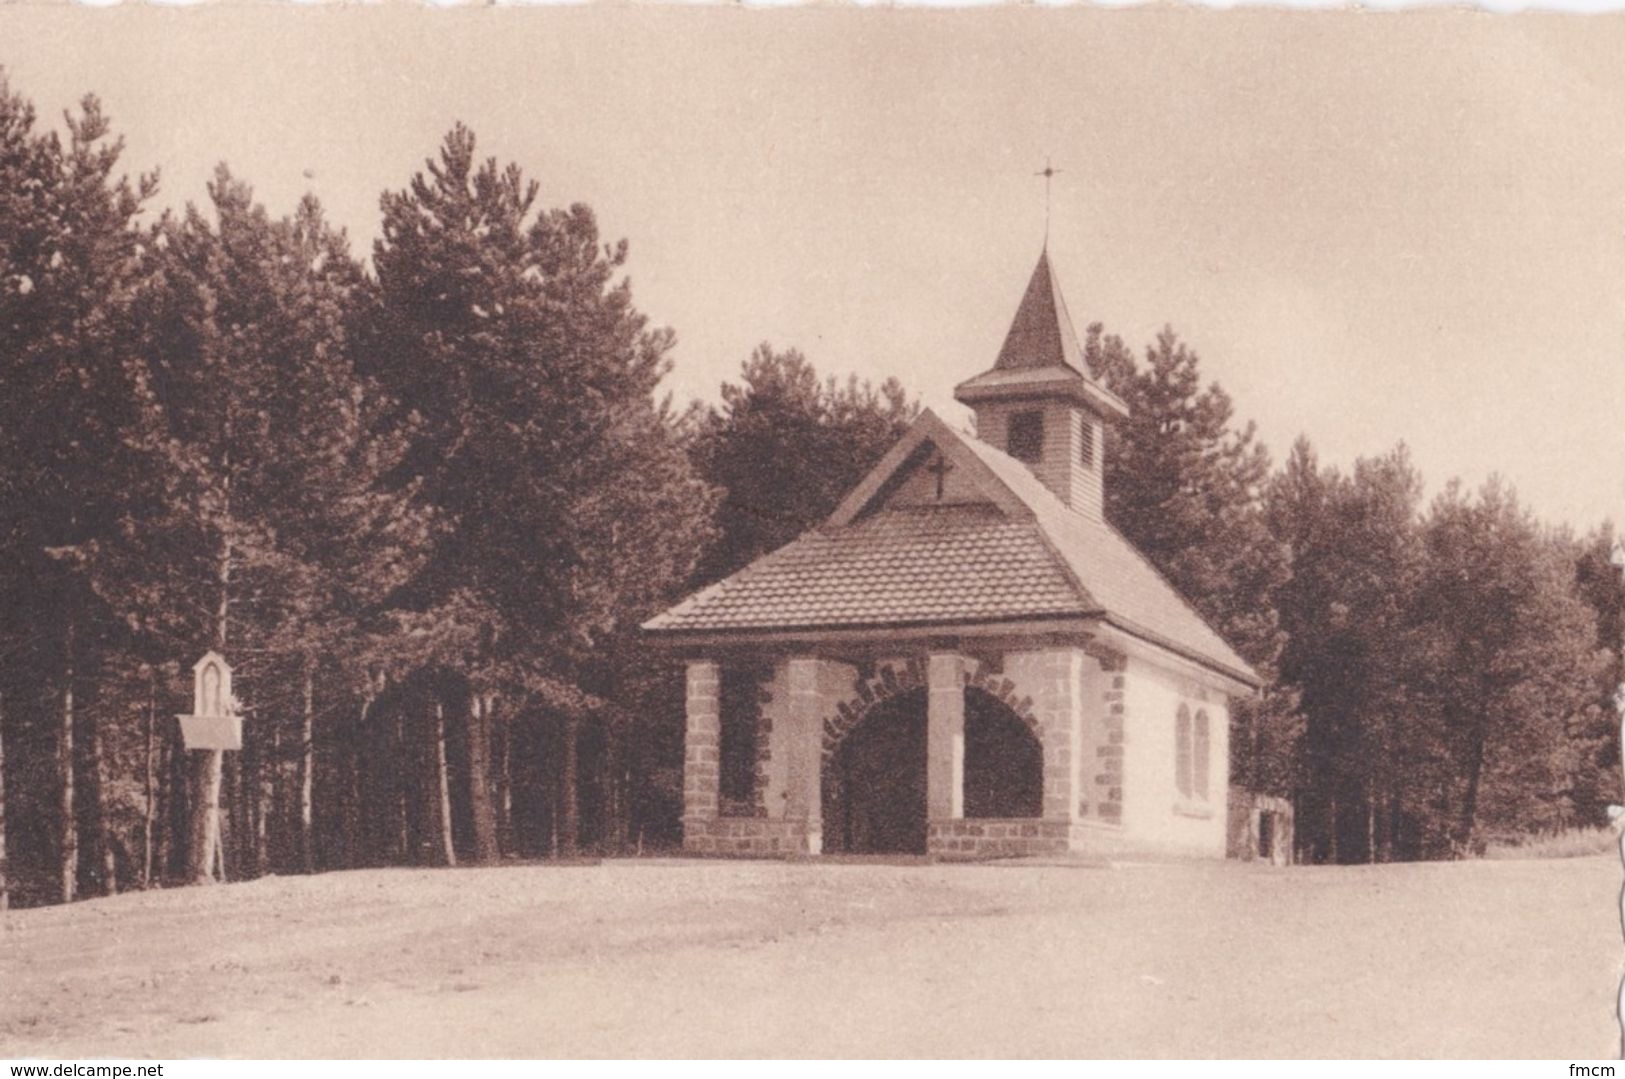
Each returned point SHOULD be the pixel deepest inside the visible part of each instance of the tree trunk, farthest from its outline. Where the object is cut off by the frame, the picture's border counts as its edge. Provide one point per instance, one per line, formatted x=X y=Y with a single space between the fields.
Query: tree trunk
x=479 y=779
x=504 y=732
x=172 y=809
x=1469 y=804
x=569 y=810
x=269 y=821
x=406 y=764
x=1331 y=816
x=616 y=824
x=443 y=785
x=1370 y=824
x=1390 y=849
x=352 y=802
x=5 y=880
x=307 y=773
x=150 y=805
x=70 y=829
x=248 y=814
x=239 y=823
x=104 y=834
x=208 y=771
x=220 y=859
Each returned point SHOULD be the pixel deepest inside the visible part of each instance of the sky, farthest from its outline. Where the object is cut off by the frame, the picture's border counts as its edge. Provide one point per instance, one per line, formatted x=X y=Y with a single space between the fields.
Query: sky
x=1373 y=228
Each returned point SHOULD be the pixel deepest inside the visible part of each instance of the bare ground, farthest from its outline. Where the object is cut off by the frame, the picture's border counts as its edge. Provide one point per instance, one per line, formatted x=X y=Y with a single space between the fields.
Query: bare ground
x=685 y=958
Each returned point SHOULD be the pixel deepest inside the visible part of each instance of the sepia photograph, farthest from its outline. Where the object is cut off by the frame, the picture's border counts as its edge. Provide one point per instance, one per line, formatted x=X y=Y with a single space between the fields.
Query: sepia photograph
x=710 y=531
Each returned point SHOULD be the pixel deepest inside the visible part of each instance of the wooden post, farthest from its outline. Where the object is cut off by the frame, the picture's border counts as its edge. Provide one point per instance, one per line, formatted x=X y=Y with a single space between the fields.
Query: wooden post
x=207 y=774
x=206 y=841
x=211 y=729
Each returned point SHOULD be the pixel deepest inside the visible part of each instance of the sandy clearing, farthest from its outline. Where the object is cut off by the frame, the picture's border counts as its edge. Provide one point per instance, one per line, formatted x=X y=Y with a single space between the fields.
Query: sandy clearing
x=714 y=958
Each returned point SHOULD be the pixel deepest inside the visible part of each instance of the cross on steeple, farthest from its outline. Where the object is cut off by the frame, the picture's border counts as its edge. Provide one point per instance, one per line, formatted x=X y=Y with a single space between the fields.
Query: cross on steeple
x=1048 y=172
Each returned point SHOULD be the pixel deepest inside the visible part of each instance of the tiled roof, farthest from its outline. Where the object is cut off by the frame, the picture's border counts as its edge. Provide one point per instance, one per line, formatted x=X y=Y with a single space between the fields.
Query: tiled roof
x=1026 y=555
x=1121 y=581
x=894 y=567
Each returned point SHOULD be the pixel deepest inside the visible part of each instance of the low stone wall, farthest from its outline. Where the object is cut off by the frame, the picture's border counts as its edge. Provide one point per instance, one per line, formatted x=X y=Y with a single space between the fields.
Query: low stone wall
x=998 y=837
x=745 y=837
x=1260 y=828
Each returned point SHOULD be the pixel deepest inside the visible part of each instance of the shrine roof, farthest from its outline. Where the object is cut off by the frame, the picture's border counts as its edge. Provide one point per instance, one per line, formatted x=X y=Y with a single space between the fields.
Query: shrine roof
x=1022 y=554
x=894 y=567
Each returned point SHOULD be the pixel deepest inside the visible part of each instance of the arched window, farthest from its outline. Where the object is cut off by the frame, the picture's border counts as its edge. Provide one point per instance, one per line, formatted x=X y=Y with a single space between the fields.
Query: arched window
x=1200 y=757
x=1182 y=752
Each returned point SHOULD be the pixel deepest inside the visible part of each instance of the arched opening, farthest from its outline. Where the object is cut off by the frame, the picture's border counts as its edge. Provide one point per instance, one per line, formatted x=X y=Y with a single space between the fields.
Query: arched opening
x=1004 y=760
x=874 y=782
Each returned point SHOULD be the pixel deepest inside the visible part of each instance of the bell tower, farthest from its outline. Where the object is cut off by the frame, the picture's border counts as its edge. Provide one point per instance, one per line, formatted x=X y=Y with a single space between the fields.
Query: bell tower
x=1038 y=404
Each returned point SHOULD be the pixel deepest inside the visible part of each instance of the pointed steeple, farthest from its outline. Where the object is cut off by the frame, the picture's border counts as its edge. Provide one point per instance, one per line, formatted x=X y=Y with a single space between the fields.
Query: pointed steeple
x=1041 y=335
x=1039 y=404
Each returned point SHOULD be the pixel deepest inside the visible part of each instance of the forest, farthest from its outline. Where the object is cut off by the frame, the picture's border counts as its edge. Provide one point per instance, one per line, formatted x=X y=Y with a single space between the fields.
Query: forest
x=423 y=499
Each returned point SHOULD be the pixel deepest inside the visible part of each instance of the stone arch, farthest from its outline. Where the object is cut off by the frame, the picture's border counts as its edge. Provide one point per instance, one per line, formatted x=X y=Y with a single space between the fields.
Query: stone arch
x=892 y=679
x=889 y=680
x=1001 y=689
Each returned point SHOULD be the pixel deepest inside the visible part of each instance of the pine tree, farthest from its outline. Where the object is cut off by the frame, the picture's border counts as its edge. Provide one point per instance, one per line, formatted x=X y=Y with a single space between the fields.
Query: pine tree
x=67 y=263
x=785 y=446
x=567 y=502
x=1346 y=612
x=1186 y=487
x=1511 y=659
x=272 y=520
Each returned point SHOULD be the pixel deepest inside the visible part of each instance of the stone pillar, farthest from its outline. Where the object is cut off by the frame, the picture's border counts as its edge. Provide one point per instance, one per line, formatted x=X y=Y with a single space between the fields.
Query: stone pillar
x=804 y=792
x=945 y=737
x=1063 y=767
x=701 y=744
x=1057 y=678
x=1109 y=752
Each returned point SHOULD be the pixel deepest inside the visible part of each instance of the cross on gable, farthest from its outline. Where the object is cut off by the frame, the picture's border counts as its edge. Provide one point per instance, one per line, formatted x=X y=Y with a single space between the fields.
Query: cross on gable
x=939 y=467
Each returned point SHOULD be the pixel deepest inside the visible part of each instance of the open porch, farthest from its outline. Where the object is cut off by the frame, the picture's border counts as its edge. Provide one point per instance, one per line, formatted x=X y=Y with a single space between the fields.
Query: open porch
x=945 y=751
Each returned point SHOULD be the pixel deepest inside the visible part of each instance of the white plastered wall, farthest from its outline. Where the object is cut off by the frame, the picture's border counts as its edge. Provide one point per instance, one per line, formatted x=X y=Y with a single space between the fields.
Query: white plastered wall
x=1154 y=813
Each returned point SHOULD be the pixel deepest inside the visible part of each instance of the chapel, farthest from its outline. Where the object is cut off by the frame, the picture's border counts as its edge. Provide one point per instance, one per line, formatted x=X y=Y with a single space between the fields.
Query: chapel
x=966 y=659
